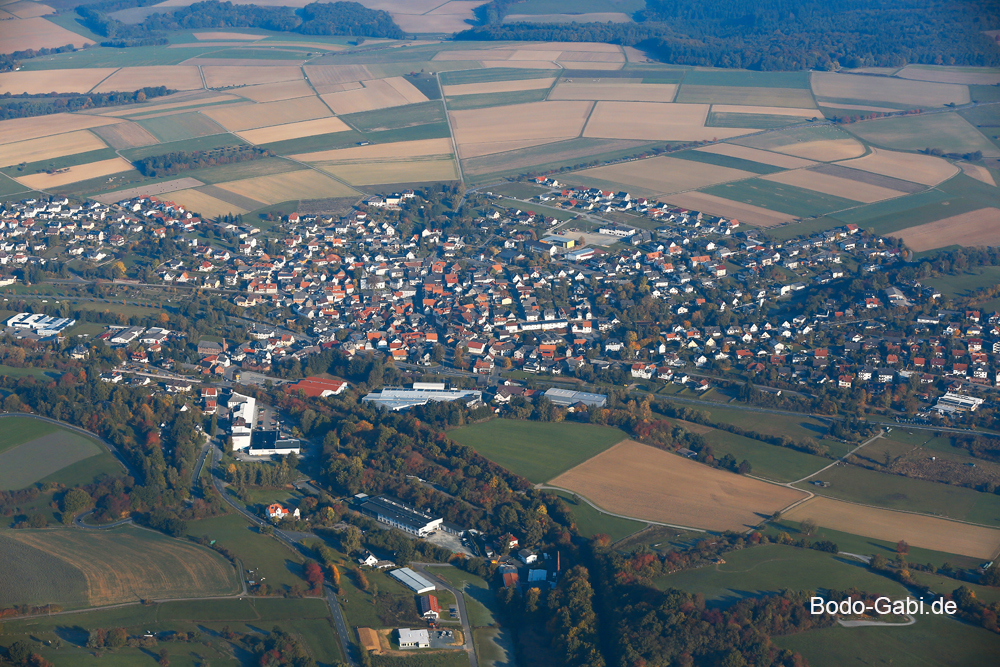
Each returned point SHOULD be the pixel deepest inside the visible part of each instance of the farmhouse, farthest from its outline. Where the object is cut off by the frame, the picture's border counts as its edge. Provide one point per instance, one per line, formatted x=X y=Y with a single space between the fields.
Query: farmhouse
x=412 y=580
x=413 y=638
x=276 y=511
x=397 y=515
x=429 y=607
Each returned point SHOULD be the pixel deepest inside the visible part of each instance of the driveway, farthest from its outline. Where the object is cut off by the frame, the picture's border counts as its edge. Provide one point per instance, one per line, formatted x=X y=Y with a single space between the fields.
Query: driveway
x=469 y=645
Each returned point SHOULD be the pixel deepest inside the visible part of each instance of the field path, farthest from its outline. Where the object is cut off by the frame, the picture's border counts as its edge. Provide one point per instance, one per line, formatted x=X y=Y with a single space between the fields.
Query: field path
x=881 y=624
x=620 y=516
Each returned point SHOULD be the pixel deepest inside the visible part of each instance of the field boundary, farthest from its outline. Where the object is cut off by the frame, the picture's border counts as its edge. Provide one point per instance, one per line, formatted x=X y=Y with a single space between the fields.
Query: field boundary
x=648 y=522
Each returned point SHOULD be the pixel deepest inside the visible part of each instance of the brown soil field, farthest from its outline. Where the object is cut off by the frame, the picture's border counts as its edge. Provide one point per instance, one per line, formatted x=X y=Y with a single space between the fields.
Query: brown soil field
x=186 y=100
x=914 y=167
x=574 y=64
x=28 y=10
x=38 y=33
x=377 y=94
x=178 y=77
x=125 y=135
x=209 y=36
x=155 y=189
x=622 y=92
x=402 y=150
x=535 y=121
x=770 y=111
x=647 y=483
x=521 y=64
x=53 y=80
x=745 y=213
x=221 y=76
x=235 y=117
x=975 y=228
x=277 y=188
x=833 y=185
x=412 y=170
x=528 y=158
x=768 y=97
x=918 y=530
x=80 y=172
x=467 y=151
x=653 y=121
x=975 y=76
x=205 y=205
x=869 y=178
x=979 y=173
x=23 y=129
x=665 y=175
x=757 y=155
x=588 y=57
x=325 y=75
x=497 y=86
x=306 y=128
x=339 y=87
x=273 y=92
x=228 y=197
x=859 y=107
x=46 y=148
x=885 y=89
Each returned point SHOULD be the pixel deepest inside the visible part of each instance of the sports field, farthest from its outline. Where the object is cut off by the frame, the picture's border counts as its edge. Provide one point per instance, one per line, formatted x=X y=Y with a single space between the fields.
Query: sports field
x=32 y=450
x=975 y=228
x=647 y=483
x=124 y=564
x=537 y=451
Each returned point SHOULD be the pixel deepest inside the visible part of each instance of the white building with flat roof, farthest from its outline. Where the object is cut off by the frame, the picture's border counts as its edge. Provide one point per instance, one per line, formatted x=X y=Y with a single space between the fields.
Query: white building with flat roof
x=412 y=580
x=414 y=638
x=399 y=398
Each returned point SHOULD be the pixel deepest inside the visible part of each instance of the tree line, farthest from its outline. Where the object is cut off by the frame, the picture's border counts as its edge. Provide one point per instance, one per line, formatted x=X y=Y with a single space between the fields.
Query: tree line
x=170 y=164
x=25 y=106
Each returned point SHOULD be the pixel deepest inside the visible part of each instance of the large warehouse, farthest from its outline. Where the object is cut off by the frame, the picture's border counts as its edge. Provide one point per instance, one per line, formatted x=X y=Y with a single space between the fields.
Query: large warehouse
x=397 y=514
x=567 y=397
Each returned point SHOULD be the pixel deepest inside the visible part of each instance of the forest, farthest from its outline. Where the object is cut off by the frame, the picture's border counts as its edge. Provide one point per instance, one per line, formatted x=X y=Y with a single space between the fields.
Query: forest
x=23 y=106
x=170 y=164
x=782 y=34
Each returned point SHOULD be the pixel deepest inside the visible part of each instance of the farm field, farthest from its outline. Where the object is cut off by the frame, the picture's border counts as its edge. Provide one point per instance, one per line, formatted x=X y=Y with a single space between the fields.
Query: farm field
x=947 y=131
x=884 y=89
x=662 y=175
x=537 y=451
x=180 y=127
x=653 y=121
x=177 y=77
x=76 y=173
x=125 y=135
x=772 y=568
x=203 y=204
x=483 y=131
x=921 y=531
x=277 y=188
x=757 y=155
x=238 y=117
x=611 y=90
x=748 y=96
x=789 y=199
x=483 y=87
x=564 y=153
x=124 y=564
x=924 y=169
x=306 y=128
x=824 y=143
x=32 y=450
x=747 y=213
x=780 y=464
x=222 y=76
x=962 y=75
x=410 y=170
x=590 y=522
x=273 y=92
x=750 y=121
x=836 y=186
x=64 y=81
x=376 y=94
x=646 y=483
x=975 y=228
x=48 y=148
x=397 y=117
x=981 y=174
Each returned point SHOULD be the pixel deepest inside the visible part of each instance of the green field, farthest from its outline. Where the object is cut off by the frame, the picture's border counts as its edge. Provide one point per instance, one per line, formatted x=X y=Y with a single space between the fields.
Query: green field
x=727 y=161
x=485 y=100
x=905 y=493
x=780 y=197
x=964 y=284
x=239 y=170
x=493 y=646
x=395 y=118
x=795 y=98
x=491 y=74
x=772 y=568
x=947 y=131
x=590 y=522
x=197 y=144
x=748 y=79
x=180 y=127
x=479 y=600
x=60 y=162
x=770 y=461
x=932 y=642
x=773 y=140
x=111 y=57
x=575 y=153
x=755 y=121
x=537 y=451
x=794 y=426
x=9 y=187
x=35 y=451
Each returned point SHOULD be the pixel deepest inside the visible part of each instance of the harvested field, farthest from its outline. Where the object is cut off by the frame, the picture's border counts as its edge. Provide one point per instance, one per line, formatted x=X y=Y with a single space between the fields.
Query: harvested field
x=975 y=228
x=589 y=17
x=763 y=97
x=746 y=213
x=277 y=188
x=242 y=202
x=981 y=174
x=411 y=170
x=82 y=172
x=919 y=531
x=377 y=94
x=28 y=10
x=859 y=107
x=53 y=80
x=564 y=152
x=187 y=101
x=209 y=36
x=222 y=76
x=339 y=87
x=272 y=92
x=46 y=148
x=498 y=86
x=966 y=76
x=23 y=129
x=154 y=189
x=538 y=122
x=125 y=135
x=585 y=57
x=833 y=185
x=886 y=89
x=620 y=92
x=653 y=121
x=307 y=128
x=178 y=77
x=924 y=169
x=770 y=111
x=180 y=127
x=205 y=205
x=947 y=131
x=236 y=117
x=38 y=33
x=869 y=178
x=325 y=75
x=573 y=64
x=824 y=144
x=756 y=155
x=522 y=64
x=665 y=175
x=402 y=150
x=647 y=483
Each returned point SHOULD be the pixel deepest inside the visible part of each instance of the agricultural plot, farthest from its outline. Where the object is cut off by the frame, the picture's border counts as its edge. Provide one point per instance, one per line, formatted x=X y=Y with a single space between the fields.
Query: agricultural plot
x=613 y=91
x=780 y=197
x=919 y=530
x=54 y=80
x=177 y=77
x=125 y=135
x=647 y=483
x=537 y=451
x=981 y=174
x=224 y=76
x=947 y=131
x=183 y=100
x=566 y=153
x=203 y=204
x=961 y=75
x=824 y=144
x=753 y=215
x=491 y=75
x=321 y=76
x=913 y=167
x=158 y=188
x=125 y=564
x=886 y=89
x=750 y=121
x=747 y=78
x=484 y=131
x=726 y=161
x=756 y=155
x=36 y=451
x=769 y=461
x=397 y=117
x=653 y=121
x=757 y=97
x=274 y=92
x=844 y=188
x=76 y=174
x=19 y=430
x=306 y=184
x=249 y=116
x=376 y=94
x=47 y=148
x=427 y=147
x=590 y=522
x=499 y=87
x=663 y=175
x=23 y=129
x=181 y=127
x=306 y=128
x=38 y=33
x=410 y=170
x=975 y=228
x=869 y=178
x=495 y=99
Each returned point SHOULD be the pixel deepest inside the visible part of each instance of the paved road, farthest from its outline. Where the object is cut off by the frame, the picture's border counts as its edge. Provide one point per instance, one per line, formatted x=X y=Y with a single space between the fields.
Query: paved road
x=469 y=645
x=78 y=522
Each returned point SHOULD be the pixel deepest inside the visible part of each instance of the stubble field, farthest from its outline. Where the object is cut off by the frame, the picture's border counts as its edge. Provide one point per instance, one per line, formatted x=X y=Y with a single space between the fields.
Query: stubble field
x=249 y=116
x=23 y=129
x=913 y=167
x=583 y=89
x=499 y=87
x=177 y=77
x=306 y=128
x=221 y=76
x=975 y=228
x=823 y=144
x=885 y=89
x=665 y=175
x=484 y=131
x=377 y=94
x=273 y=92
x=306 y=184
x=654 y=121
x=747 y=213
x=56 y=80
x=78 y=173
x=757 y=155
x=833 y=185
x=47 y=148
x=125 y=135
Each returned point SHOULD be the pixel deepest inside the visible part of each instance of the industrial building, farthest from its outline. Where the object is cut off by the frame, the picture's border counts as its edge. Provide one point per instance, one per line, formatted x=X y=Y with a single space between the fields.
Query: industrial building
x=397 y=514
x=399 y=398
x=242 y=412
x=412 y=580
x=40 y=324
x=567 y=397
x=414 y=638
x=952 y=403
x=269 y=443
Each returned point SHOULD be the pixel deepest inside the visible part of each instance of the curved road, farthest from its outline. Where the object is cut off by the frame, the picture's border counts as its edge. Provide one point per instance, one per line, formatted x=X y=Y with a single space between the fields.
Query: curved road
x=469 y=646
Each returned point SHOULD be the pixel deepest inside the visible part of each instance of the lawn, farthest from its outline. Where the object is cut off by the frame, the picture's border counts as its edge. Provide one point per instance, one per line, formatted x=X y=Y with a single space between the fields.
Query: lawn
x=479 y=600
x=590 y=522
x=905 y=493
x=933 y=641
x=538 y=451
x=774 y=567
x=37 y=451
x=780 y=197
x=794 y=426
x=964 y=284
x=781 y=464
